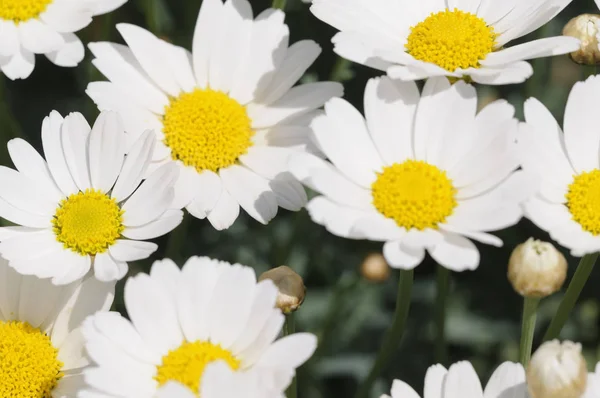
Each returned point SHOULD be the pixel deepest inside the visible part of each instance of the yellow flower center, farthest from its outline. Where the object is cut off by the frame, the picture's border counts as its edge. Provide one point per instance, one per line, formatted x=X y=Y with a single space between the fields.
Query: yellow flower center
x=207 y=129
x=186 y=364
x=88 y=222
x=415 y=194
x=22 y=10
x=583 y=201
x=452 y=40
x=29 y=365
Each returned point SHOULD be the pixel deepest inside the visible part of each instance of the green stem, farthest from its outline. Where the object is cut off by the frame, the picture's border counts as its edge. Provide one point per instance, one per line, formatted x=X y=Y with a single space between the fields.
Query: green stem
x=530 y=306
x=441 y=303
x=584 y=269
x=393 y=335
x=279 y=4
x=177 y=239
x=289 y=327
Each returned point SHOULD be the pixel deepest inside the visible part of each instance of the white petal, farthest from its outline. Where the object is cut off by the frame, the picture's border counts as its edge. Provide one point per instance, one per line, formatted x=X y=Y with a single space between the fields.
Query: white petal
x=38 y=37
x=225 y=212
x=186 y=187
x=455 y=253
x=107 y=269
x=403 y=257
x=462 y=381
x=210 y=187
x=206 y=25
x=51 y=141
x=289 y=192
x=9 y=39
x=75 y=133
x=402 y=390
x=135 y=166
x=22 y=192
x=132 y=250
x=66 y=18
x=19 y=65
x=546 y=47
x=508 y=381
x=513 y=73
x=161 y=226
x=70 y=54
x=99 y=7
x=106 y=150
x=434 y=382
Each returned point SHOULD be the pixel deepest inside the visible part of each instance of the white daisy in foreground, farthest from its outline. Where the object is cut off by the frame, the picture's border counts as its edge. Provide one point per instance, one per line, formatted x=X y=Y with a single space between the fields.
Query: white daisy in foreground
x=567 y=166
x=226 y=115
x=209 y=326
x=83 y=205
x=422 y=172
x=508 y=380
x=454 y=38
x=41 y=350
x=45 y=27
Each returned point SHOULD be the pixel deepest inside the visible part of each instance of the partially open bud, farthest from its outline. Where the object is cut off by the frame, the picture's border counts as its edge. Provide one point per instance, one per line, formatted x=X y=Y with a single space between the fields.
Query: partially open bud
x=290 y=285
x=585 y=28
x=374 y=268
x=536 y=269
x=557 y=371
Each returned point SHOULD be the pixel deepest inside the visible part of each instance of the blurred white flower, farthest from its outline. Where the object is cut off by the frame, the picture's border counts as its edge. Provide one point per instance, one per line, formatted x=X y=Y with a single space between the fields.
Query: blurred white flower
x=83 y=206
x=414 y=40
x=209 y=326
x=422 y=172
x=226 y=115
x=42 y=354
x=45 y=27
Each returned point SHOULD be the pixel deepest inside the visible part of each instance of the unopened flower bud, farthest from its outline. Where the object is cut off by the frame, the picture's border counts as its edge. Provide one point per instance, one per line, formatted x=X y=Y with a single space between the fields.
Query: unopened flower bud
x=536 y=269
x=585 y=28
x=374 y=268
x=290 y=285
x=557 y=371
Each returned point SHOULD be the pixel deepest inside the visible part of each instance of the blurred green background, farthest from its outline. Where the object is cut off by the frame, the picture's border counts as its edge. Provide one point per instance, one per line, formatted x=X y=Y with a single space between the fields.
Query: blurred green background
x=348 y=313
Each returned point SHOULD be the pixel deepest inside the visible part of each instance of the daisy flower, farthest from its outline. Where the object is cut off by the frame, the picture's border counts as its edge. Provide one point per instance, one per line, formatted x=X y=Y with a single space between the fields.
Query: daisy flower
x=567 y=166
x=41 y=354
x=209 y=326
x=454 y=38
x=226 y=115
x=83 y=205
x=45 y=27
x=508 y=380
x=423 y=171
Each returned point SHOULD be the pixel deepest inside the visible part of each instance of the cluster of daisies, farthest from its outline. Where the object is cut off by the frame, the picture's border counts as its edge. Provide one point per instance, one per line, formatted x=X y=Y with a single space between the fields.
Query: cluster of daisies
x=226 y=128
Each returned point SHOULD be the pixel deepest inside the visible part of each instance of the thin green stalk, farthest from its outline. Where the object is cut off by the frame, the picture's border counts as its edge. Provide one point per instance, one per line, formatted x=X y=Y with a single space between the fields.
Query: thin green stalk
x=441 y=303
x=279 y=4
x=584 y=269
x=176 y=239
x=530 y=306
x=289 y=327
x=393 y=335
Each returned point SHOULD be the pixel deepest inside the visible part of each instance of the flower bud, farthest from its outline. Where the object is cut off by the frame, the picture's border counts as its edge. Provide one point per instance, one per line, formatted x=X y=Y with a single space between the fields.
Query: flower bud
x=557 y=371
x=290 y=285
x=374 y=268
x=536 y=269
x=585 y=28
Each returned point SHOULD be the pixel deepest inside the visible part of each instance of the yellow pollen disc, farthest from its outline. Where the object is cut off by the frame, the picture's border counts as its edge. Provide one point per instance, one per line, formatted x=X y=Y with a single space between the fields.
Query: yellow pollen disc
x=583 y=201
x=29 y=365
x=207 y=129
x=88 y=222
x=415 y=194
x=22 y=10
x=186 y=364
x=452 y=40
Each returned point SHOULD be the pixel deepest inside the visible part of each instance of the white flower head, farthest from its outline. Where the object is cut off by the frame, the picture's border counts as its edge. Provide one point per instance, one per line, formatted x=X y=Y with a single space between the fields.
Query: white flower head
x=567 y=168
x=83 y=205
x=42 y=353
x=209 y=327
x=45 y=27
x=227 y=115
x=455 y=38
x=422 y=172
x=508 y=380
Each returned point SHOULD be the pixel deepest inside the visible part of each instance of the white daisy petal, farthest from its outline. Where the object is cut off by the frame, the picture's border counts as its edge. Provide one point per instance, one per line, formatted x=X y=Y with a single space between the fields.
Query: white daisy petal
x=18 y=65
x=507 y=376
x=167 y=222
x=38 y=37
x=132 y=250
x=70 y=54
x=403 y=257
x=456 y=253
x=9 y=39
x=207 y=23
x=434 y=381
x=22 y=192
x=106 y=151
x=99 y=7
x=135 y=166
x=462 y=380
x=534 y=49
x=513 y=73
x=107 y=269
x=51 y=142
x=225 y=211
x=75 y=133
x=401 y=389
x=210 y=186
x=65 y=18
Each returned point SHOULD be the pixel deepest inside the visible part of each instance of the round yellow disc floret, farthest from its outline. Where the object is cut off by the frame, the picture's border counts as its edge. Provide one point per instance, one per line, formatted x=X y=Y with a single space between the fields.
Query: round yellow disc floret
x=415 y=194
x=207 y=129
x=186 y=364
x=583 y=201
x=22 y=10
x=451 y=40
x=29 y=365
x=88 y=222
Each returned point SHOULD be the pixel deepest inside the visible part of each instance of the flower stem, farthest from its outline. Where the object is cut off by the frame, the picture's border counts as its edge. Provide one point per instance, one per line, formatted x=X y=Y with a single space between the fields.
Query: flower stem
x=530 y=306
x=289 y=328
x=584 y=269
x=441 y=302
x=393 y=335
x=279 y=4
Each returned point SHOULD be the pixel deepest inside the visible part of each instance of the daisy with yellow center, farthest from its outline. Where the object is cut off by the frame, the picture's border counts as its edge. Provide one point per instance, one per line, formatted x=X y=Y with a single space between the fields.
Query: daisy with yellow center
x=228 y=116
x=567 y=165
x=41 y=349
x=29 y=27
x=84 y=205
x=422 y=172
x=454 y=38
x=207 y=330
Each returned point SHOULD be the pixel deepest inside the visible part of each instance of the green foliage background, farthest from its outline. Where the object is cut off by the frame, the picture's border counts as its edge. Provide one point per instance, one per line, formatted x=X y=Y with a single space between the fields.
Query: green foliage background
x=348 y=314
